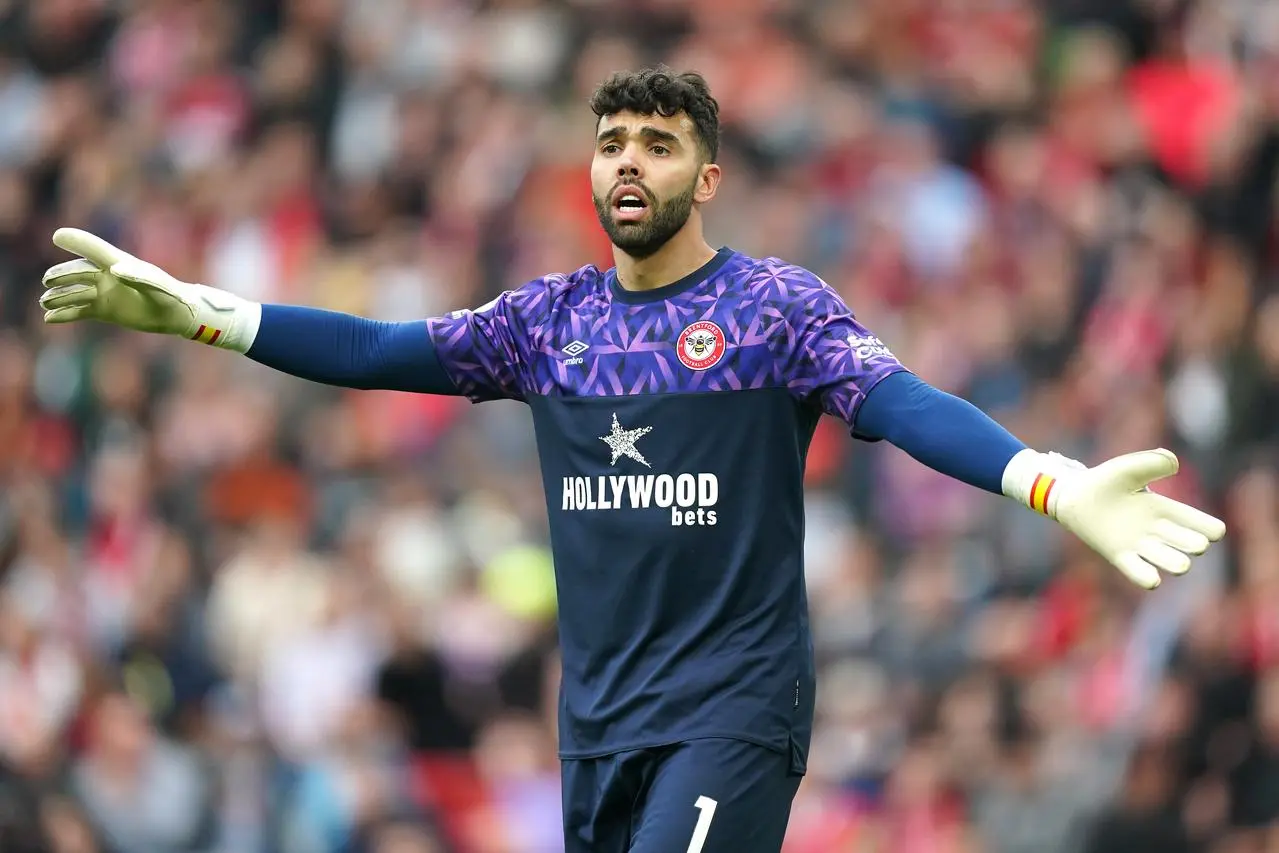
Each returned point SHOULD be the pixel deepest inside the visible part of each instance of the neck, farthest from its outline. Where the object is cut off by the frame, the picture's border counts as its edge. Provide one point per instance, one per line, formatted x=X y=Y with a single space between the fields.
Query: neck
x=683 y=254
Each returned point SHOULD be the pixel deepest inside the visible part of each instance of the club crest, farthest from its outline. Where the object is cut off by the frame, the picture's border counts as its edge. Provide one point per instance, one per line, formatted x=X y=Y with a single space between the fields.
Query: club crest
x=701 y=345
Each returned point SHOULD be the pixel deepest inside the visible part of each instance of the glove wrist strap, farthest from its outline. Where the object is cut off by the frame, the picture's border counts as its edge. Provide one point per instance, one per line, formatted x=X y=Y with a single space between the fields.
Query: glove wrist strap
x=1033 y=480
x=223 y=319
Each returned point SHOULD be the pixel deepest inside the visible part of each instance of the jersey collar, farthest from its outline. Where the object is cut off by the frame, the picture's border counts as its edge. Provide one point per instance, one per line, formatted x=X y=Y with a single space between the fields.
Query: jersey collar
x=666 y=291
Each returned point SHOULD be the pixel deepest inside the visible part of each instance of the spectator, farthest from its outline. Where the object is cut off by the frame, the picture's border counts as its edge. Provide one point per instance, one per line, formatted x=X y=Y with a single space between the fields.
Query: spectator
x=147 y=793
x=1146 y=817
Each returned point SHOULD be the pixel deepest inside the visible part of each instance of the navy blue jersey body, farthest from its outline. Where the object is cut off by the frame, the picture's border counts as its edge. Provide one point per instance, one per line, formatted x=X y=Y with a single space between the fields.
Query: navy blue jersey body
x=672 y=427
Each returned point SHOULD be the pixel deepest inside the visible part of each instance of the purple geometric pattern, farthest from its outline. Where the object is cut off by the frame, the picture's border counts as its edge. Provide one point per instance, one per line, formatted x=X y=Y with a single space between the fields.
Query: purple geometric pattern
x=785 y=327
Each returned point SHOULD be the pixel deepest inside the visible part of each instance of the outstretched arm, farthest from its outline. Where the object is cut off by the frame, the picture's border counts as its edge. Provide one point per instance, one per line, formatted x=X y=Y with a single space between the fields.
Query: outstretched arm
x=108 y=284
x=837 y=364
x=1110 y=507
x=353 y=352
x=944 y=432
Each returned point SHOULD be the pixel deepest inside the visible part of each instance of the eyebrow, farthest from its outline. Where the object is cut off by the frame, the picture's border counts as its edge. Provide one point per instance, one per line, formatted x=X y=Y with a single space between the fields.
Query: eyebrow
x=647 y=131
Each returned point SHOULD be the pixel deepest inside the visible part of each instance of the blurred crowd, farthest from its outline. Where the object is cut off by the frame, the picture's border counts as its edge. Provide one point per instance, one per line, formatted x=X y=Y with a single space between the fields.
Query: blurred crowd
x=242 y=613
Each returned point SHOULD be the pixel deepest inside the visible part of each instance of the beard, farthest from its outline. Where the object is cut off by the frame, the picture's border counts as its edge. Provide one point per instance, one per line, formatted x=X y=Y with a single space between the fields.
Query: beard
x=642 y=239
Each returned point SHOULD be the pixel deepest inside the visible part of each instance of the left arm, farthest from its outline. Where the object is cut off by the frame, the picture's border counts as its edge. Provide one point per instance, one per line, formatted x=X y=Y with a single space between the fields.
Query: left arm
x=944 y=432
x=840 y=366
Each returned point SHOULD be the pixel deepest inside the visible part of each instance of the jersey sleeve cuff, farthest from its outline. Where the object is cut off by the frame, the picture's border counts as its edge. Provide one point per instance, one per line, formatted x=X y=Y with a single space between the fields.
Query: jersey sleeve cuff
x=861 y=400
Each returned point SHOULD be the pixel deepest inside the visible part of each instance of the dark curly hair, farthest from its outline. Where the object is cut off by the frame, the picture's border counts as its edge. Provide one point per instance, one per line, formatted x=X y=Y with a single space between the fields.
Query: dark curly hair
x=660 y=91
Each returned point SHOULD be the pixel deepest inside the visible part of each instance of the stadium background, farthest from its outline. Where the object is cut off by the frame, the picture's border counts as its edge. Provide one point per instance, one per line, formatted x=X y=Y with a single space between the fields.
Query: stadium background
x=246 y=614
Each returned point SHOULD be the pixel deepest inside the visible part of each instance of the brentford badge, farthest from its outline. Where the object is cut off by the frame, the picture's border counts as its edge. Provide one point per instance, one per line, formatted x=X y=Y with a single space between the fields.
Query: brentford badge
x=701 y=345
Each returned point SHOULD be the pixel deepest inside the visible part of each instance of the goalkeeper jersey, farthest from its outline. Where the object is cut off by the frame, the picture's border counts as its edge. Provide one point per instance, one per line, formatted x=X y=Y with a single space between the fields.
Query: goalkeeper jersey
x=672 y=427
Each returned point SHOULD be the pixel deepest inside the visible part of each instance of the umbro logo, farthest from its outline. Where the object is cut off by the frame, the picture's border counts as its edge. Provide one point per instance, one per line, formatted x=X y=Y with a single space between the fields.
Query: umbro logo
x=574 y=352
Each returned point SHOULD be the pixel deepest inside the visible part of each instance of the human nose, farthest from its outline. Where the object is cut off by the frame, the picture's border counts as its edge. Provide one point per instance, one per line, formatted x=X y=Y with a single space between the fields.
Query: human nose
x=628 y=168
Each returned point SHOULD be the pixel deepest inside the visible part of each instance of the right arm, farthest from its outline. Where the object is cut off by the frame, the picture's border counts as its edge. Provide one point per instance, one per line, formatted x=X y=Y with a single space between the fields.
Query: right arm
x=349 y=351
x=478 y=354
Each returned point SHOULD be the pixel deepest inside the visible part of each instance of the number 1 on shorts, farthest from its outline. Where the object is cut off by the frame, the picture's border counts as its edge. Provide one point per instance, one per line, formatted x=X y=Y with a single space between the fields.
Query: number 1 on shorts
x=707 y=808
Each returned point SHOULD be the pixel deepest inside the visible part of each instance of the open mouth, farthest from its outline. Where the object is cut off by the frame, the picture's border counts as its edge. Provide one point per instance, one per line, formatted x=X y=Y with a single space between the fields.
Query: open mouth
x=629 y=203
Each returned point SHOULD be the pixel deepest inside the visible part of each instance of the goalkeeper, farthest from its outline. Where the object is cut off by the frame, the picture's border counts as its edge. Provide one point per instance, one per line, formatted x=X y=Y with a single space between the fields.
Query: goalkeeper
x=674 y=396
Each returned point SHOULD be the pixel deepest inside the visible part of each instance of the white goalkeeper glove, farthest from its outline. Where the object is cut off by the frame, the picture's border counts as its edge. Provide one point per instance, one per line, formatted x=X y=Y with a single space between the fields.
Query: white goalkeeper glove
x=108 y=284
x=1111 y=509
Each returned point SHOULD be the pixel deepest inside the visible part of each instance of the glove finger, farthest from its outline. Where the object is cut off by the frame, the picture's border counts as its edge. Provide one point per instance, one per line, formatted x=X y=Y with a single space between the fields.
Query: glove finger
x=1134 y=471
x=68 y=295
x=1187 y=516
x=89 y=246
x=1182 y=538
x=70 y=271
x=1137 y=570
x=69 y=314
x=1163 y=556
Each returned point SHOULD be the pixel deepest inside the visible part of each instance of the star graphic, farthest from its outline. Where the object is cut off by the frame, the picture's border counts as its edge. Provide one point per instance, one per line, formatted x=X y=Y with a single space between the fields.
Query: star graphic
x=622 y=442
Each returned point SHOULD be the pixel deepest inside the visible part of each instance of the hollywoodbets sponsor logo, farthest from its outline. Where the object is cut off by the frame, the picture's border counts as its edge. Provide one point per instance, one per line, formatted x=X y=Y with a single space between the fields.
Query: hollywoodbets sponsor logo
x=689 y=498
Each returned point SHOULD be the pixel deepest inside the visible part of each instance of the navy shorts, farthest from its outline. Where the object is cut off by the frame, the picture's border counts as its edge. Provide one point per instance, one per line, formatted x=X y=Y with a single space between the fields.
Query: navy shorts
x=698 y=796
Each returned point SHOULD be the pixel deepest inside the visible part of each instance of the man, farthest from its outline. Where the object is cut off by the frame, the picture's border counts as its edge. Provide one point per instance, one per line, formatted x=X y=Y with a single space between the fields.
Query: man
x=673 y=397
